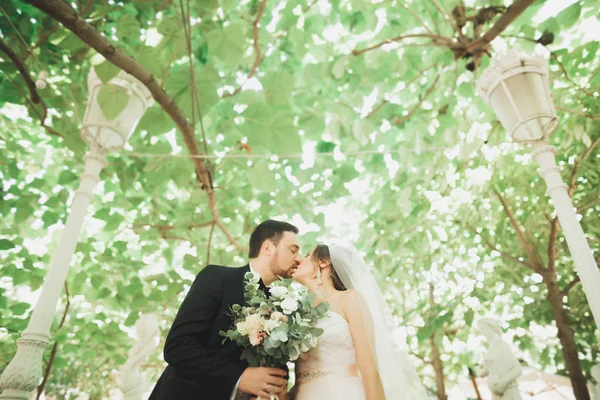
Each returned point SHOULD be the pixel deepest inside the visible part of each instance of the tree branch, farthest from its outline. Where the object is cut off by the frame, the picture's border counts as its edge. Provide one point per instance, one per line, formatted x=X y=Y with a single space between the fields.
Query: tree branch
x=234 y=242
x=515 y=224
x=170 y=63
x=575 y=170
x=377 y=108
x=181 y=239
x=491 y=246
x=66 y=15
x=433 y=19
x=578 y=113
x=400 y=121
x=50 y=32
x=569 y=286
x=573 y=178
x=257 y=50
x=166 y=228
x=589 y=205
x=515 y=9
x=434 y=38
x=590 y=149
x=309 y=6
x=552 y=244
x=86 y=8
x=419 y=356
x=566 y=74
x=447 y=18
x=163 y=229
x=399 y=4
x=34 y=97
x=39 y=42
x=413 y=80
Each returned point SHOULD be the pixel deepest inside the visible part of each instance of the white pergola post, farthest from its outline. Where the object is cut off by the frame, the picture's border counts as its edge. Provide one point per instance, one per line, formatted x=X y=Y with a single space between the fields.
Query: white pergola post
x=517 y=87
x=584 y=261
x=24 y=373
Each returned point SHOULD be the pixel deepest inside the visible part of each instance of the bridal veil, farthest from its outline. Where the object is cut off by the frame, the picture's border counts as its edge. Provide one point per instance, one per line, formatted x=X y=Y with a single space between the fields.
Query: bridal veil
x=397 y=373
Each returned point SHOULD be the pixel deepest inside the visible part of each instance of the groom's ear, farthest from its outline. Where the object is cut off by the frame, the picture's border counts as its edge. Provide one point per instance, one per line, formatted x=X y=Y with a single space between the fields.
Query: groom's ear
x=267 y=247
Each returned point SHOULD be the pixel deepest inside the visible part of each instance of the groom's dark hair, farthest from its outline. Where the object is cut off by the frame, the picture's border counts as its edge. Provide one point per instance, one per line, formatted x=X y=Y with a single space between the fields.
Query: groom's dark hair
x=268 y=230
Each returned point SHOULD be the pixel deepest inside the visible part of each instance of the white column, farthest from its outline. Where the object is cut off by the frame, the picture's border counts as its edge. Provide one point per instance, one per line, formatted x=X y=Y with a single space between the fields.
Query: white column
x=584 y=261
x=24 y=373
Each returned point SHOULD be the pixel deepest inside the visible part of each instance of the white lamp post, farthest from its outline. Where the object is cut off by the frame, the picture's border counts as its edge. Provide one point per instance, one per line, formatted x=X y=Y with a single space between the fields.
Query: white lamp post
x=24 y=373
x=517 y=87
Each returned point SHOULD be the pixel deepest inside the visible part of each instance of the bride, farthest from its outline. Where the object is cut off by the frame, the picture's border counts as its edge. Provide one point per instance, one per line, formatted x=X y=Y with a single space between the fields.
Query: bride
x=357 y=358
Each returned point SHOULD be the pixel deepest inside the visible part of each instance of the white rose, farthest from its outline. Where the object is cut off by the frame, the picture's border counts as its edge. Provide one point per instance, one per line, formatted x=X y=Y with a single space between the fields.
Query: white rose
x=289 y=305
x=255 y=322
x=271 y=325
x=242 y=328
x=278 y=291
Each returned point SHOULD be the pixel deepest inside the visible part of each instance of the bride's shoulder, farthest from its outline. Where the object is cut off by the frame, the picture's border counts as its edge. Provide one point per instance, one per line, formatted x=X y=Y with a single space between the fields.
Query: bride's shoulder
x=352 y=306
x=349 y=297
x=351 y=294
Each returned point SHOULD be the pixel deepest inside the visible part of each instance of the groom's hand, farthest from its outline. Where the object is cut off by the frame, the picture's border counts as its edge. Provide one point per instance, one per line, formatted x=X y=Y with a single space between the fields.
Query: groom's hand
x=263 y=381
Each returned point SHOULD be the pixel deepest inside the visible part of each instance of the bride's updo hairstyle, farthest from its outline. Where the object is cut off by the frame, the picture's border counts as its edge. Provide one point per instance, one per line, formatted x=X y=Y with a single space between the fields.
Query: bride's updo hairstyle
x=321 y=254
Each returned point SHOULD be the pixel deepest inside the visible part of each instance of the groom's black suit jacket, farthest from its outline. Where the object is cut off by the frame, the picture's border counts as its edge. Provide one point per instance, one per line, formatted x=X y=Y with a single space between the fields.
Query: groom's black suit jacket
x=200 y=367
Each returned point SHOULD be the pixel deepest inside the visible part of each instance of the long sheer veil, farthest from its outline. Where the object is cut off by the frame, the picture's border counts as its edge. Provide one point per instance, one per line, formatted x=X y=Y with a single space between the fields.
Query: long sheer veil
x=397 y=373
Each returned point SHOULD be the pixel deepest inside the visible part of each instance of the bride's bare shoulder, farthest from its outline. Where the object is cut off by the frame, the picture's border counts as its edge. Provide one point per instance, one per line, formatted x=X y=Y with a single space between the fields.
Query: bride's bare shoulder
x=350 y=294
x=349 y=297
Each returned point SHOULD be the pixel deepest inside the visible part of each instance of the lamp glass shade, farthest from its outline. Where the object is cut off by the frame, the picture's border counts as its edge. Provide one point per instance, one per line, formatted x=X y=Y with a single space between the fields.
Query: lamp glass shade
x=518 y=90
x=112 y=134
x=522 y=107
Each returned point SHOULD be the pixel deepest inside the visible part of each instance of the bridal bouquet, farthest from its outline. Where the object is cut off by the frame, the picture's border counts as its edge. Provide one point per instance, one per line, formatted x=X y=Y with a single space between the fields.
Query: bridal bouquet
x=274 y=330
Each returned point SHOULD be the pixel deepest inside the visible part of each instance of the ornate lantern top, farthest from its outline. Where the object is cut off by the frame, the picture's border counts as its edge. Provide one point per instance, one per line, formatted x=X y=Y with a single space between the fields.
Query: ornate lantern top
x=517 y=87
x=111 y=130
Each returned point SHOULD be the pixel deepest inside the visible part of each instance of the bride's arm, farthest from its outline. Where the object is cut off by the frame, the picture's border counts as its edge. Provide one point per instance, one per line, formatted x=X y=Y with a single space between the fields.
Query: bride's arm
x=364 y=354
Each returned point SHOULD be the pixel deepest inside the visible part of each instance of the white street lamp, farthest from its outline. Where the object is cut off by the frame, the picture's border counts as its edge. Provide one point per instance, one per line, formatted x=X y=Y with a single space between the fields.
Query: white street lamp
x=517 y=87
x=24 y=373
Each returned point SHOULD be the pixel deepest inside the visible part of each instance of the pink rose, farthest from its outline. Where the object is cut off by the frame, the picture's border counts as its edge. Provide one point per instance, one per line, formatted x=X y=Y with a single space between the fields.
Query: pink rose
x=255 y=337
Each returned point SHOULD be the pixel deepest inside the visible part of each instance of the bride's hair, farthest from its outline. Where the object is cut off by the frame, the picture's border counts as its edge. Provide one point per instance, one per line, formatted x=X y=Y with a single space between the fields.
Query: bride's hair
x=321 y=254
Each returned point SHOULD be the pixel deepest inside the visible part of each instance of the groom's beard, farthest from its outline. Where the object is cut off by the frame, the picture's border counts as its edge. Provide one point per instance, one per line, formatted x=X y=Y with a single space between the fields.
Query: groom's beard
x=276 y=268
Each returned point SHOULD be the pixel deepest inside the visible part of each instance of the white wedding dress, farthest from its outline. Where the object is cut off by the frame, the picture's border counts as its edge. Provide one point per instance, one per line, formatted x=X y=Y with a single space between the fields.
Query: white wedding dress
x=329 y=371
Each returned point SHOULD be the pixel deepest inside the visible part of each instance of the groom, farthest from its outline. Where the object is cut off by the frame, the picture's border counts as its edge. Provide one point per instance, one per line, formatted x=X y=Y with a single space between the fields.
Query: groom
x=200 y=366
